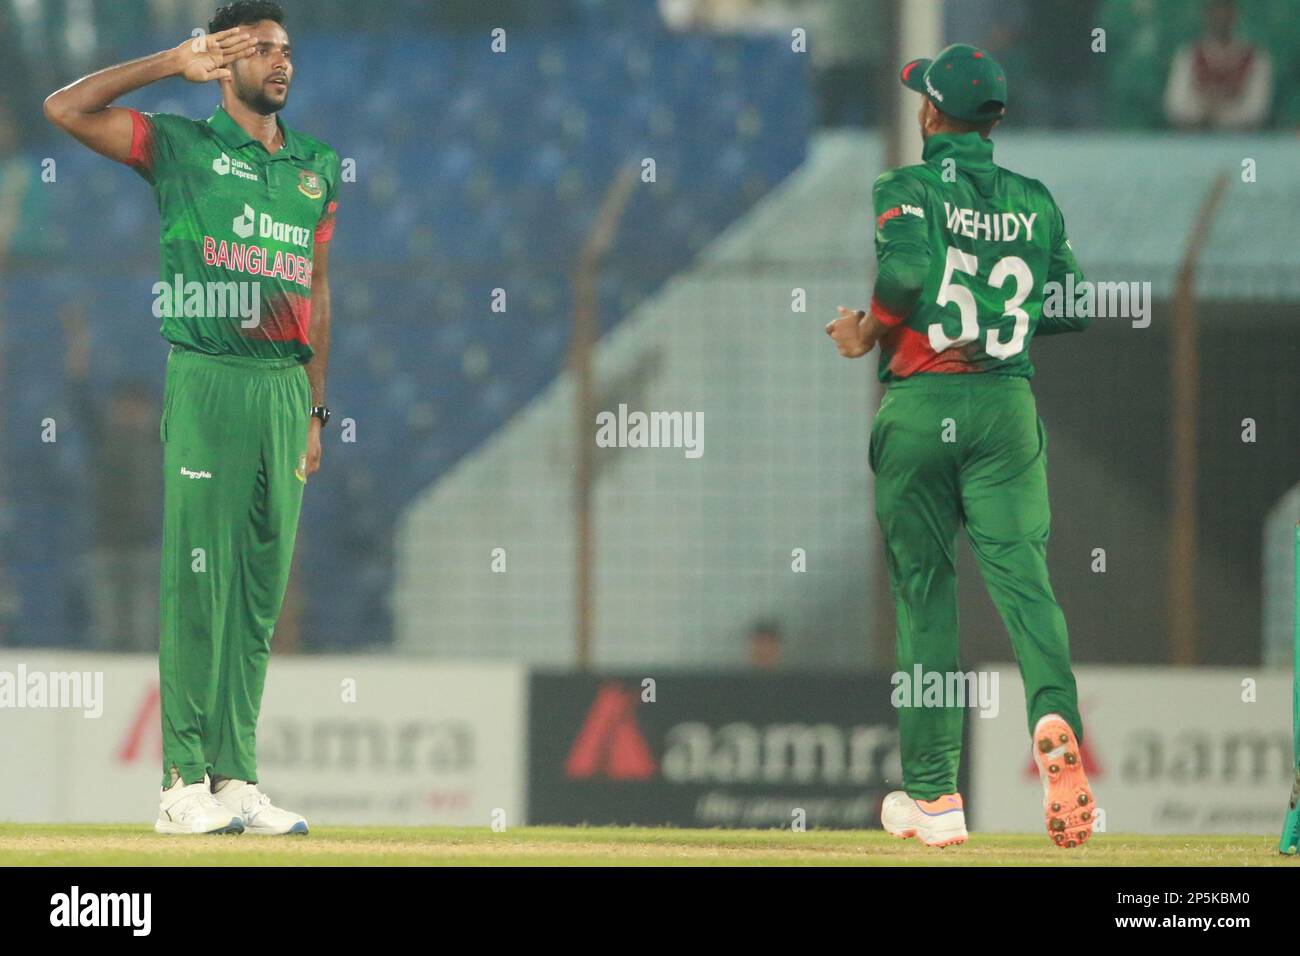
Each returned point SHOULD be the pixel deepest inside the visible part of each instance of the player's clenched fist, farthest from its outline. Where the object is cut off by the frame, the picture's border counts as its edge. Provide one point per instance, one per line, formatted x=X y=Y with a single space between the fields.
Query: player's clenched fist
x=208 y=57
x=848 y=334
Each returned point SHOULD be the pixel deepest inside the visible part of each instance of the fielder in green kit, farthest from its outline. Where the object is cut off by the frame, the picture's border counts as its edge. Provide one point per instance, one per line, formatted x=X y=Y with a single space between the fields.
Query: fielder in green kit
x=247 y=208
x=967 y=254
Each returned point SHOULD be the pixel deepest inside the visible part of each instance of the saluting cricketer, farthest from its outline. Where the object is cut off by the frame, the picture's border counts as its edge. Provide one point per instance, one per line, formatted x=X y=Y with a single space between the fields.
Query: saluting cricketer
x=964 y=249
x=247 y=206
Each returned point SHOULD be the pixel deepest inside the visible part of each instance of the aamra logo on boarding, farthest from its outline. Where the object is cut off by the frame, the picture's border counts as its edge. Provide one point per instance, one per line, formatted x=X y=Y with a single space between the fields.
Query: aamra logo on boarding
x=610 y=744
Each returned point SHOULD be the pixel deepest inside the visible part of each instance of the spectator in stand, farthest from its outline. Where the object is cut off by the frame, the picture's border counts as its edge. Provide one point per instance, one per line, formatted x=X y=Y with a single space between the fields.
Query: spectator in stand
x=765 y=646
x=741 y=16
x=1058 y=43
x=22 y=201
x=1220 y=81
x=23 y=72
x=846 y=44
x=125 y=459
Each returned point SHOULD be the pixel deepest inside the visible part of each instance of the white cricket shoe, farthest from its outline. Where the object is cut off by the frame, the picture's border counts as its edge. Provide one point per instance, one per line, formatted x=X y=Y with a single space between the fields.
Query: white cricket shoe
x=192 y=809
x=260 y=816
x=939 y=822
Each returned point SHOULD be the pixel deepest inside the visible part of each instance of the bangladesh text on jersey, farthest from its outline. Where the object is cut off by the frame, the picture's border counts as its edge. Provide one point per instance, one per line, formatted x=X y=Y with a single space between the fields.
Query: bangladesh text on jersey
x=234 y=213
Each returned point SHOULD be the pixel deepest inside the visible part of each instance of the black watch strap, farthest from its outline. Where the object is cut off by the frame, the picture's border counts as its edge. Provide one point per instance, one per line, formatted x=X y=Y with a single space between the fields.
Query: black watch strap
x=321 y=412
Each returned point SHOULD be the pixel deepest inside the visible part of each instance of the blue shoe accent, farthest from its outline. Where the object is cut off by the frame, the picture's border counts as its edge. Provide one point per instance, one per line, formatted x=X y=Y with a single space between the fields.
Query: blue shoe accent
x=236 y=826
x=299 y=828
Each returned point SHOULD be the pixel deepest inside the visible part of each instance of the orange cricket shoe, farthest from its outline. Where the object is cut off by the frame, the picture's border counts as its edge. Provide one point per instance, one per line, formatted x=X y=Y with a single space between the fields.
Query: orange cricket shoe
x=1067 y=799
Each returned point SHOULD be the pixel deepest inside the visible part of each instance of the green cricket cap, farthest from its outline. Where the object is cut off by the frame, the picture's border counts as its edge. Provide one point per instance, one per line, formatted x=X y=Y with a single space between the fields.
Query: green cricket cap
x=962 y=81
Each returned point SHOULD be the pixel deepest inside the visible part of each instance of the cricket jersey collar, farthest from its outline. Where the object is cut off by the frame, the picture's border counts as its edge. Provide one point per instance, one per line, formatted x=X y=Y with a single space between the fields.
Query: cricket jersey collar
x=971 y=150
x=236 y=137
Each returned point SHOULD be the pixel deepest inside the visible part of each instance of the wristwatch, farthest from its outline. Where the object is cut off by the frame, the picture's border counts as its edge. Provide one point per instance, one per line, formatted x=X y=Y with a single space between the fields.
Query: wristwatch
x=321 y=412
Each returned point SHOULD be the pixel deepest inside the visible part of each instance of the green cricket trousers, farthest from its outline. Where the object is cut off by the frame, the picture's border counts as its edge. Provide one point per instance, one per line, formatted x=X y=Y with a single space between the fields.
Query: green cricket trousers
x=234 y=433
x=966 y=449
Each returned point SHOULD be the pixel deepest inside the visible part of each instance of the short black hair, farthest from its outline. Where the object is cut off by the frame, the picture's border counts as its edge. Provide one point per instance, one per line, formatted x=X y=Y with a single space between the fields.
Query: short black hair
x=955 y=125
x=244 y=13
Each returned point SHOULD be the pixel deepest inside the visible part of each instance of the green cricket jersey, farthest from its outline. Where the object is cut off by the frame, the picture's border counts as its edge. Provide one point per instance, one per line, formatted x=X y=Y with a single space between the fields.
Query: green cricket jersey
x=963 y=264
x=239 y=228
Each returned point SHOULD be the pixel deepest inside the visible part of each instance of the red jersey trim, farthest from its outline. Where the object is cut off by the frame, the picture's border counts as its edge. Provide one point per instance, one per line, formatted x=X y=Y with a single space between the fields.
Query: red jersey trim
x=325 y=228
x=141 y=142
x=884 y=316
x=910 y=352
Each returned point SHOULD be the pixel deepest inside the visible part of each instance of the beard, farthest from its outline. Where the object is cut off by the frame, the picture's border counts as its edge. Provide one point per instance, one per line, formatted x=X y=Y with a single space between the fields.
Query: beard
x=258 y=100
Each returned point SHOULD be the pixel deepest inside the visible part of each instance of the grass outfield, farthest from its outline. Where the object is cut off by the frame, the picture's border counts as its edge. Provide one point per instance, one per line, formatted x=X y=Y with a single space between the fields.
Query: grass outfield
x=118 y=845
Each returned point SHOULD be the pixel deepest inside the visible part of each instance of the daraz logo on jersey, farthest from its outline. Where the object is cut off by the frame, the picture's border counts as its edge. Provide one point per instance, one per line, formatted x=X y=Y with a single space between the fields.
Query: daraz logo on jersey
x=243 y=225
x=268 y=228
x=255 y=260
